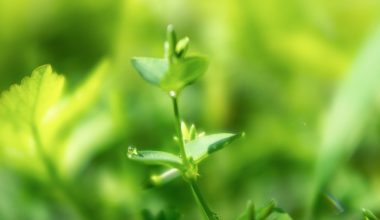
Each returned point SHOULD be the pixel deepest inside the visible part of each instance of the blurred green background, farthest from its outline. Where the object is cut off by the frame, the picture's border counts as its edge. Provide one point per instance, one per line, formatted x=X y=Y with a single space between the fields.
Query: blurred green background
x=301 y=78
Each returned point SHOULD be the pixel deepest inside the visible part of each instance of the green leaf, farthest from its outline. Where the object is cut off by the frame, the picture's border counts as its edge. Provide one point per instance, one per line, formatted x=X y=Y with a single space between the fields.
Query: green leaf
x=155 y=158
x=279 y=214
x=184 y=72
x=153 y=70
x=175 y=71
x=368 y=214
x=265 y=211
x=249 y=212
x=24 y=109
x=202 y=147
x=182 y=47
x=345 y=122
x=162 y=178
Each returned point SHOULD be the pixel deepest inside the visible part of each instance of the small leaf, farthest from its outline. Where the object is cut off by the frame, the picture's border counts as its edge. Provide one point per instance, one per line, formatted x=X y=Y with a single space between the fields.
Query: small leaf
x=162 y=178
x=155 y=158
x=182 y=47
x=368 y=214
x=264 y=212
x=279 y=214
x=153 y=70
x=193 y=132
x=249 y=212
x=202 y=147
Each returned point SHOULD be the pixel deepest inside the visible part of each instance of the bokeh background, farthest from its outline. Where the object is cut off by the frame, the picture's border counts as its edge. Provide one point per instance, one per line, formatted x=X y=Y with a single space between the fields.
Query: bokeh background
x=301 y=78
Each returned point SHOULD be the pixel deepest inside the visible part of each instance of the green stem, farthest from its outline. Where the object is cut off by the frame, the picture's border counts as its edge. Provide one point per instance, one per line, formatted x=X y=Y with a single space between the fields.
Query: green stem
x=174 y=98
x=201 y=201
x=191 y=180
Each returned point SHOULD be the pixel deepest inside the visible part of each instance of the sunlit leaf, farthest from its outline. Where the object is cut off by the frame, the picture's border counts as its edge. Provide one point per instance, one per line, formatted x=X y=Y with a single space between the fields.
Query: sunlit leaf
x=155 y=158
x=23 y=109
x=202 y=147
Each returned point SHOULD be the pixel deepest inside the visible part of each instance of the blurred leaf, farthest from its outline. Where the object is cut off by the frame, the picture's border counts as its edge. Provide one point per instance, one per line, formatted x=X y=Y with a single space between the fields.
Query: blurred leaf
x=83 y=122
x=336 y=205
x=155 y=158
x=182 y=46
x=353 y=106
x=29 y=102
x=265 y=211
x=278 y=214
x=167 y=214
x=249 y=213
x=368 y=215
x=24 y=109
x=162 y=178
x=203 y=146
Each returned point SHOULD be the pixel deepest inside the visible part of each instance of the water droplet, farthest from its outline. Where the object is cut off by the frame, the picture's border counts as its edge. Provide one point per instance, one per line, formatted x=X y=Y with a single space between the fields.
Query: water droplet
x=172 y=94
x=132 y=151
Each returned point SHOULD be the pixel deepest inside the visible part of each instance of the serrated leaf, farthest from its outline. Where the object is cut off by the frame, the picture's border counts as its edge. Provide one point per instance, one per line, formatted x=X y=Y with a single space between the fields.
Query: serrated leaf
x=155 y=158
x=153 y=70
x=24 y=109
x=29 y=102
x=202 y=147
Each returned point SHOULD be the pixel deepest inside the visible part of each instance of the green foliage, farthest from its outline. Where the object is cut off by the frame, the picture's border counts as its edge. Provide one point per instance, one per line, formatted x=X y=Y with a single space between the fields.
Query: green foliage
x=155 y=158
x=268 y=212
x=346 y=122
x=200 y=148
x=24 y=109
x=368 y=215
x=194 y=148
x=279 y=71
x=175 y=71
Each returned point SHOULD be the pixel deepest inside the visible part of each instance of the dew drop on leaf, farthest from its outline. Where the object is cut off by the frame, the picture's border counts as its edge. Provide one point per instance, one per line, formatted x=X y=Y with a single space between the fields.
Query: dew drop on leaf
x=132 y=151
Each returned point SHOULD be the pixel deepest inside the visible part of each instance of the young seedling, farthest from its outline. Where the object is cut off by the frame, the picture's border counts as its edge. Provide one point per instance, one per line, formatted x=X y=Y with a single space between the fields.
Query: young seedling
x=172 y=74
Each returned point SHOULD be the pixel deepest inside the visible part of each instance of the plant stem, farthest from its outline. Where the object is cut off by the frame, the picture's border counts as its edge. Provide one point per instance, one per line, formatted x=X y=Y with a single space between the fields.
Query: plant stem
x=201 y=201
x=191 y=180
x=174 y=98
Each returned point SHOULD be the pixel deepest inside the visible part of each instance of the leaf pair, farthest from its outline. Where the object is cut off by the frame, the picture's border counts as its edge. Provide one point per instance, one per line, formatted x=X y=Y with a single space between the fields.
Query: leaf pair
x=175 y=71
x=197 y=149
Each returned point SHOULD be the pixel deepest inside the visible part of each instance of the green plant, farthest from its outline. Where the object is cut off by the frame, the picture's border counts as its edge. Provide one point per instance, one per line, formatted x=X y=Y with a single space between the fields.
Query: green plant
x=172 y=74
